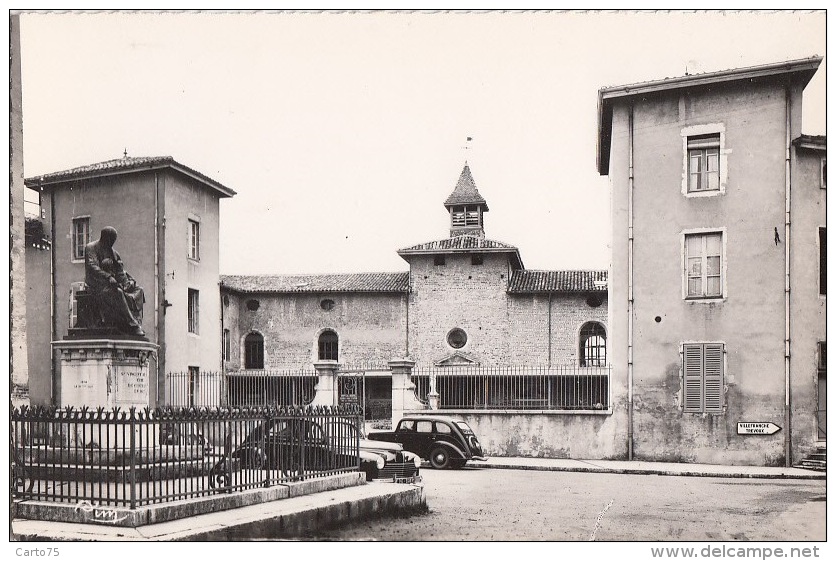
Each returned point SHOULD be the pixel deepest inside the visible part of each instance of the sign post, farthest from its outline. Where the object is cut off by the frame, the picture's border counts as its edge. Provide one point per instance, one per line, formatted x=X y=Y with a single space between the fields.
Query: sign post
x=757 y=428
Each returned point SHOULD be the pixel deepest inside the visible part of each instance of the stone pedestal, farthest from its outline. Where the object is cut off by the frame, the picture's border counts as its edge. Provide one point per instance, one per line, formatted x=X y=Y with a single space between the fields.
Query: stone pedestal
x=403 y=390
x=326 y=387
x=105 y=372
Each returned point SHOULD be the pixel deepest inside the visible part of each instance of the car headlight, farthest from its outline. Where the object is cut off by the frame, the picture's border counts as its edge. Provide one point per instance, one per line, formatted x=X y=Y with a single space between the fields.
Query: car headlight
x=381 y=462
x=417 y=461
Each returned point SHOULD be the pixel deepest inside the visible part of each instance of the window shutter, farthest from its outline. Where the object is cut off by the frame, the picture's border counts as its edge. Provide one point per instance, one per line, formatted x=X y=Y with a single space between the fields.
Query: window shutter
x=713 y=373
x=692 y=394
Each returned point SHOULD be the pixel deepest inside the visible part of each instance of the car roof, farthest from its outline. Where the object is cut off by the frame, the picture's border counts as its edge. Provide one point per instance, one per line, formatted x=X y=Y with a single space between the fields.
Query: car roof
x=431 y=418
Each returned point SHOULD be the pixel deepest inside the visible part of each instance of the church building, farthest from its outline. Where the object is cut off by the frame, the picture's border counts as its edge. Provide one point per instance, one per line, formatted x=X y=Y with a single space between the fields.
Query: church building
x=491 y=334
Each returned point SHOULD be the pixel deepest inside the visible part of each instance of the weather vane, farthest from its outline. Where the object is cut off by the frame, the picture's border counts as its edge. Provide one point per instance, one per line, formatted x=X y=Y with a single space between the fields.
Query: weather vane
x=467 y=143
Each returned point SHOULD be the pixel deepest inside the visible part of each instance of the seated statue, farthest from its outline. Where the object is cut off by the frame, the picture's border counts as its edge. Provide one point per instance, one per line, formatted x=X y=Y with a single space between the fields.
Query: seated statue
x=117 y=298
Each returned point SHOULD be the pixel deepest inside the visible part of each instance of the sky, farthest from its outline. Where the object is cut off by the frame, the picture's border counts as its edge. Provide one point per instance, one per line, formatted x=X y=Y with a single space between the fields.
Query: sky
x=343 y=133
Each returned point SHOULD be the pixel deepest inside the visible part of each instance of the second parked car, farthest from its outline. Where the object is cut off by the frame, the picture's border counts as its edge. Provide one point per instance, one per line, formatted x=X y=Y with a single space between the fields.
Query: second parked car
x=444 y=441
x=295 y=447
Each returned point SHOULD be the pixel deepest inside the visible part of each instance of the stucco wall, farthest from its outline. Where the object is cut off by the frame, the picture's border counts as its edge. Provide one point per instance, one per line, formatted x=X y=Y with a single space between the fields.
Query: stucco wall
x=17 y=302
x=583 y=436
x=187 y=199
x=750 y=319
x=125 y=202
x=38 y=324
x=808 y=318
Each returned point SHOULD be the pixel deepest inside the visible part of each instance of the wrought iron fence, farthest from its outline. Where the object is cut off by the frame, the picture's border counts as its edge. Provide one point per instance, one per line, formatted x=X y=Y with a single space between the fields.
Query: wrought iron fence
x=242 y=388
x=505 y=388
x=139 y=457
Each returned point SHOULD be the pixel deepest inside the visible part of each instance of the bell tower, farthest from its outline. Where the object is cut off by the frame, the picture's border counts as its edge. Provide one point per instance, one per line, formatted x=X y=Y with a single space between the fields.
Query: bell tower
x=467 y=207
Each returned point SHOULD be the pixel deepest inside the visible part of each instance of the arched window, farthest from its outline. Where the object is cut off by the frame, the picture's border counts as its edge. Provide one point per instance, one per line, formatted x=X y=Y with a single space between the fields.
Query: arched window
x=593 y=345
x=254 y=351
x=328 y=345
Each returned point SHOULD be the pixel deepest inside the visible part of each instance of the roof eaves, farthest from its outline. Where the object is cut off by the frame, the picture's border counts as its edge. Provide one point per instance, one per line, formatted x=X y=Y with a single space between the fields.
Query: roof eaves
x=811 y=142
x=53 y=179
x=806 y=68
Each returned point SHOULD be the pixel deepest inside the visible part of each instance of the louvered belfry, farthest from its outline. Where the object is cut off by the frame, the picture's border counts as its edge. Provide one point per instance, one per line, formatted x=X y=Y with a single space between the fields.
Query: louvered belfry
x=466 y=207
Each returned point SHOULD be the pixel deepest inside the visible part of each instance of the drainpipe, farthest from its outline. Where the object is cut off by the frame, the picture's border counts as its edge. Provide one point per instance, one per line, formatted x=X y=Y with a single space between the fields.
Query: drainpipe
x=630 y=286
x=52 y=296
x=787 y=339
x=550 y=330
x=157 y=279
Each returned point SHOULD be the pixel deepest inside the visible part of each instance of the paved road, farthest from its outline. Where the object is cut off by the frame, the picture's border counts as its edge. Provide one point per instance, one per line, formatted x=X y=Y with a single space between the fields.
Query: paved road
x=493 y=504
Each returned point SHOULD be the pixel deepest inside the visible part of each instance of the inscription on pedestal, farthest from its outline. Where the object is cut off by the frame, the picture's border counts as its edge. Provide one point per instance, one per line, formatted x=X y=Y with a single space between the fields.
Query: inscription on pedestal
x=105 y=372
x=131 y=387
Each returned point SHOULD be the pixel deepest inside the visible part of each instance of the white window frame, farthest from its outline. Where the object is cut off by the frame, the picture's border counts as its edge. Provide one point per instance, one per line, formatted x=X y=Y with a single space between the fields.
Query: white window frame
x=699 y=130
x=193 y=312
x=192 y=239
x=78 y=219
x=683 y=265
x=725 y=378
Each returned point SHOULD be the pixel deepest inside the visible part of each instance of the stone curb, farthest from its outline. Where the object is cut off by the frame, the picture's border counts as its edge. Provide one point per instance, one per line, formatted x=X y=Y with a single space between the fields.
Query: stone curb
x=635 y=471
x=287 y=519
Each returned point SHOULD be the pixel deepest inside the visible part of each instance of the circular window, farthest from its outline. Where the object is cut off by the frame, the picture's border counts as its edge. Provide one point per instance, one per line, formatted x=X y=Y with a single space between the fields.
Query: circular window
x=253 y=304
x=457 y=338
x=594 y=300
x=327 y=304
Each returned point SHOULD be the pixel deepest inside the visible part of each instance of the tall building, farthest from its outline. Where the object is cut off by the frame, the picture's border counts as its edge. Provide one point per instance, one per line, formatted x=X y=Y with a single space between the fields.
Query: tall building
x=167 y=218
x=717 y=283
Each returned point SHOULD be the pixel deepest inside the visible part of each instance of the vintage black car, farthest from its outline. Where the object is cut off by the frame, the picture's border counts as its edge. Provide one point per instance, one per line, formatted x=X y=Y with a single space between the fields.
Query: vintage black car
x=444 y=441
x=291 y=446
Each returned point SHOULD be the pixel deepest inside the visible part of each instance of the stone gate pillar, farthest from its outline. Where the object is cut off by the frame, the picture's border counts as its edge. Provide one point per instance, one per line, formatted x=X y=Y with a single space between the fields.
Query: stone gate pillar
x=403 y=390
x=326 y=387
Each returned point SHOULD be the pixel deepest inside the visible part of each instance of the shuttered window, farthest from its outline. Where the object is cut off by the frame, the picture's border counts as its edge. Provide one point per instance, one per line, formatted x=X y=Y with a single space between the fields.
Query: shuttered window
x=703 y=373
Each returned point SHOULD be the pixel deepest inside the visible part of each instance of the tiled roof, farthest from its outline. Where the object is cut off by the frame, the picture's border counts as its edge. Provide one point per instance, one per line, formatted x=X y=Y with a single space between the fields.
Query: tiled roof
x=529 y=281
x=465 y=191
x=458 y=243
x=350 y=282
x=121 y=165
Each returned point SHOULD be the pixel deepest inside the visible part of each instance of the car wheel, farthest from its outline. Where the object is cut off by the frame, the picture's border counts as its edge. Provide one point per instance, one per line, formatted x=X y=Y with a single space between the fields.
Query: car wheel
x=440 y=458
x=219 y=480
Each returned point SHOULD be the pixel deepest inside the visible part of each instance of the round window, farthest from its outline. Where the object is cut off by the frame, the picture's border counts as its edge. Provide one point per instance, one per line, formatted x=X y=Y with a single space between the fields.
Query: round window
x=594 y=300
x=253 y=304
x=327 y=304
x=457 y=338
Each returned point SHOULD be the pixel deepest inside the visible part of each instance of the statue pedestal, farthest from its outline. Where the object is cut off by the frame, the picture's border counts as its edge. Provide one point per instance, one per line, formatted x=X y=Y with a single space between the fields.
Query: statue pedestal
x=105 y=372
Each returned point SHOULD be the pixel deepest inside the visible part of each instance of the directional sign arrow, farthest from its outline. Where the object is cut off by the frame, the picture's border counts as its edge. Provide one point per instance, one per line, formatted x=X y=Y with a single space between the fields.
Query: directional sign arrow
x=757 y=428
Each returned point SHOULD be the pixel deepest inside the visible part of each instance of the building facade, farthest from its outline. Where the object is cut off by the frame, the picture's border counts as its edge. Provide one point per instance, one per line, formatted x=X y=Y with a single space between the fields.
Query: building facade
x=167 y=216
x=717 y=290
x=484 y=332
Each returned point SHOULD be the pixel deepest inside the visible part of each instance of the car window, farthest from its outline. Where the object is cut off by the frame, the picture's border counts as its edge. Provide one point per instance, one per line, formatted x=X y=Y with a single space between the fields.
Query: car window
x=342 y=430
x=424 y=426
x=407 y=425
x=465 y=428
x=441 y=428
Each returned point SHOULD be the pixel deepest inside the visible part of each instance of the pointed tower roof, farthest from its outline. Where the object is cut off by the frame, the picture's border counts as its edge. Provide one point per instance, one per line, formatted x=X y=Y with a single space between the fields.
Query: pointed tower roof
x=465 y=192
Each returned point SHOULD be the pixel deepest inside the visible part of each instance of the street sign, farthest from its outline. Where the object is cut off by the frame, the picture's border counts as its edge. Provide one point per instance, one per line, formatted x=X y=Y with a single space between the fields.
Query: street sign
x=757 y=428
